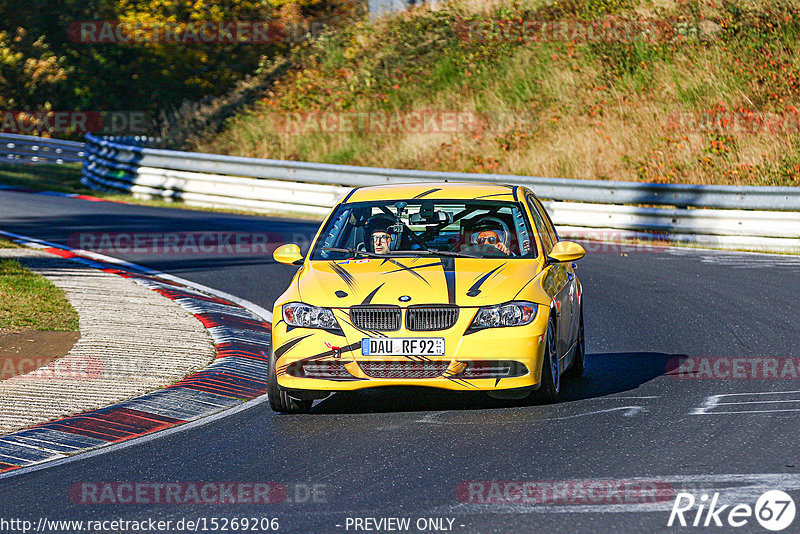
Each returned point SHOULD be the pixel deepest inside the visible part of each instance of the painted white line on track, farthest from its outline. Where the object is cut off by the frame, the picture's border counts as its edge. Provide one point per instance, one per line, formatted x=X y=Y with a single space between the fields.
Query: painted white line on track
x=626 y=397
x=756 y=402
x=713 y=401
x=757 y=393
x=265 y=314
x=628 y=411
x=747 y=412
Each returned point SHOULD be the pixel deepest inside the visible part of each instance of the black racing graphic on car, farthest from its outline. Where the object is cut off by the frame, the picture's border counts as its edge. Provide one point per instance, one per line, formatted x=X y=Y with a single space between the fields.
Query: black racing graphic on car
x=416 y=358
x=368 y=298
x=493 y=195
x=410 y=269
x=428 y=192
x=344 y=275
x=449 y=375
x=286 y=347
x=475 y=290
x=449 y=268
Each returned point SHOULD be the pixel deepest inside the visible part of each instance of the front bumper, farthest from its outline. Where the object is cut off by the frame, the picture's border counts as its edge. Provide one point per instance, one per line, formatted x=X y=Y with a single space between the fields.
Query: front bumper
x=318 y=360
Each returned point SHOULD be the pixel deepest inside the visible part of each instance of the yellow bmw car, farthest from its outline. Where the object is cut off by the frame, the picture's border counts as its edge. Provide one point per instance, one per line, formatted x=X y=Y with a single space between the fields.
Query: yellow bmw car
x=460 y=286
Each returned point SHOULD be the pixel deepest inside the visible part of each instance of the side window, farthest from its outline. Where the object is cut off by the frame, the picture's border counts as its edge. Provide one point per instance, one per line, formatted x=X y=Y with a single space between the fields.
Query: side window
x=333 y=235
x=525 y=240
x=541 y=227
x=551 y=229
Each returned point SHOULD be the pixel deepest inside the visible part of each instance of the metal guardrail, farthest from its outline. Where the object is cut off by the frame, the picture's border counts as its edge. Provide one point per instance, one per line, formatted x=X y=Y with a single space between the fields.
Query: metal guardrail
x=30 y=149
x=102 y=152
x=759 y=218
x=578 y=207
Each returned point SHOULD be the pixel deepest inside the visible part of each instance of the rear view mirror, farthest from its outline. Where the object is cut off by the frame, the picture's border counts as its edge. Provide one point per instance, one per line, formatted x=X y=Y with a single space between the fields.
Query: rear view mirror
x=436 y=217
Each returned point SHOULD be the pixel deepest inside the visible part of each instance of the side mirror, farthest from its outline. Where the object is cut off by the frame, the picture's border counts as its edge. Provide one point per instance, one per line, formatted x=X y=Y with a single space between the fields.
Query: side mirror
x=288 y=254
x=565 y=251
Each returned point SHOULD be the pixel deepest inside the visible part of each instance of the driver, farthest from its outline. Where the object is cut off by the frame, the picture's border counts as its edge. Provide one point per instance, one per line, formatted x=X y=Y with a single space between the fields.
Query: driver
x=489 y=232
x=376 y=234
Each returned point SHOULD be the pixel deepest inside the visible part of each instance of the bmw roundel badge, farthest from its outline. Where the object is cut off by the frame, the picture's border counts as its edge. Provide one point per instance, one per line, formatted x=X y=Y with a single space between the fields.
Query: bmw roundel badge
x=404 y=298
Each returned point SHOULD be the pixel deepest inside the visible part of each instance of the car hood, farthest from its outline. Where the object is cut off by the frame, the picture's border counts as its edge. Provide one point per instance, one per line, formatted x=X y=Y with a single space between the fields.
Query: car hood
x=416 y=280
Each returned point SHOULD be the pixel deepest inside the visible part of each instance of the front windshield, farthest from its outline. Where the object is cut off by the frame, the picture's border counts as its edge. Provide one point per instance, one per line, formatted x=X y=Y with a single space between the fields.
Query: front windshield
x=468 y=228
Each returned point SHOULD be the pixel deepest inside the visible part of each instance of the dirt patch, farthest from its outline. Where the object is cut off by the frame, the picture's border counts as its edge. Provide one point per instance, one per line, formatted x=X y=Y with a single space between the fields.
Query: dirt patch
x=23 y=351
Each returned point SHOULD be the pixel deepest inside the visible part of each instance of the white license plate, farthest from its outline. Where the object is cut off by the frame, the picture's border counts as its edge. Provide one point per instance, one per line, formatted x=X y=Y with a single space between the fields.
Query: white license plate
x=402 y=346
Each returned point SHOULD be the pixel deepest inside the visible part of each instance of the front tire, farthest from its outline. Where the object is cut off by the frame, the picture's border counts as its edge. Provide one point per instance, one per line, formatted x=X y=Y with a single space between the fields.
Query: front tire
x=279 y=400
x=551 y=377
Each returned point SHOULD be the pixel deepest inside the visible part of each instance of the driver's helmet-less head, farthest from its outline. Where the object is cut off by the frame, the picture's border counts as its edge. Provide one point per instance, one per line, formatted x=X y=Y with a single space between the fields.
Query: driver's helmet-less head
x=377 y=223
x=490 y=231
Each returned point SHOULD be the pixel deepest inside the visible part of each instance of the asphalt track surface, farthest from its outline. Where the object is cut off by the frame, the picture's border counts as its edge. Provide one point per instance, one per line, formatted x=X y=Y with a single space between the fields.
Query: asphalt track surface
x=392 y=453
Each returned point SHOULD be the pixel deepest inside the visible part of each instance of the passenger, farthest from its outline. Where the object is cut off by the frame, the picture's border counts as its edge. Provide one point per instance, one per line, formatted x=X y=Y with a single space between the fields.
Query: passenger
x=489 y=232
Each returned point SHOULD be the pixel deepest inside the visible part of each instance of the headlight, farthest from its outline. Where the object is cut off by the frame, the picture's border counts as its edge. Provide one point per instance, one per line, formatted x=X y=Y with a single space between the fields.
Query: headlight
x=305 y=316
x=509 y=314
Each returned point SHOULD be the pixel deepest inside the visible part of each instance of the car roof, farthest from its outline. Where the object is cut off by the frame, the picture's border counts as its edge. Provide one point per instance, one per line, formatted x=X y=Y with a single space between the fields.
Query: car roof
x=433 y=191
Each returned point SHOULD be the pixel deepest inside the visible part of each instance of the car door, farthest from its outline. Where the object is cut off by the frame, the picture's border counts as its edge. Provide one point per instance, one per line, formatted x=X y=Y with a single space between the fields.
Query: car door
x=559 y=277
x=573 y=301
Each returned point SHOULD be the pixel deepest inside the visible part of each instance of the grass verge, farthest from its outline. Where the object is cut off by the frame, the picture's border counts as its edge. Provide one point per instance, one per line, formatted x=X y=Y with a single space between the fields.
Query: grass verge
x=30 y=301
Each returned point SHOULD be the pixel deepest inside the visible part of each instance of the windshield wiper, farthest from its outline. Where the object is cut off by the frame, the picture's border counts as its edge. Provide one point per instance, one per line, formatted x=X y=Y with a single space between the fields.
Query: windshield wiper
x=454 y=254
x=433 y=252
x=354 y=252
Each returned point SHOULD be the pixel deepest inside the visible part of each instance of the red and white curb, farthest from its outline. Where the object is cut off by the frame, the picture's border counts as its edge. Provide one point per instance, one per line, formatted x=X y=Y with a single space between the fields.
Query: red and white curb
x=240 y=330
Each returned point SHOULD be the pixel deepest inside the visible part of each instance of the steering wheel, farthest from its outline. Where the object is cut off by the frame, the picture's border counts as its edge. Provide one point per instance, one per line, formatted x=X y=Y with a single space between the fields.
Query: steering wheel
x=486 y=251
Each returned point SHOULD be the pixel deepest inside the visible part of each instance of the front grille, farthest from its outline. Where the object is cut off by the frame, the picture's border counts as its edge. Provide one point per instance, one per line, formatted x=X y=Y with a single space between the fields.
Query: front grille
x=404 y=369
x=374 y=318
x=427 y=318
x=324 y=369
x=493 y=369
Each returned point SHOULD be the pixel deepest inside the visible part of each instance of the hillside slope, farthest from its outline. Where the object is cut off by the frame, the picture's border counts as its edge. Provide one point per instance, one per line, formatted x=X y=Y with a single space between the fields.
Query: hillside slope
x=666 y=91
